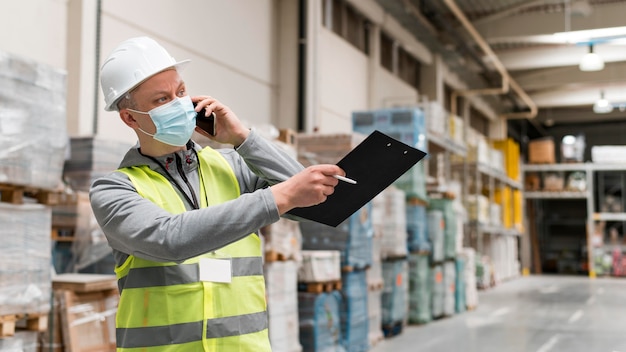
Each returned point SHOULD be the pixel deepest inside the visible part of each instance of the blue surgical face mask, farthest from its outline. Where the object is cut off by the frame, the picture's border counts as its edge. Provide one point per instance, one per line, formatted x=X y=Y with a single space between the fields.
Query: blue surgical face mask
x=174 y=121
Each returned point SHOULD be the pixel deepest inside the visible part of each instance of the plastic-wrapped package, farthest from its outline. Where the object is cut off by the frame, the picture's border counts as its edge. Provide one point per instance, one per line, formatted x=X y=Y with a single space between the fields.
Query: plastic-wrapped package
x=436 y=228
x=353 y=238
x=283 y=239
x=90 y=158
x=354 y=316
x=282 y=305
x=450 y=221
x=390 y=221
x=420 y=289
x=395 y=300
x=459 y=294
x=22 y=341
x=449 y=281
x=374 y=310
x=320 y=324
x=468 y=255
x=374 y=273
x=319 y=266
x=417 y=228
x=25 y=257
x=438 y=290
x=33 y=132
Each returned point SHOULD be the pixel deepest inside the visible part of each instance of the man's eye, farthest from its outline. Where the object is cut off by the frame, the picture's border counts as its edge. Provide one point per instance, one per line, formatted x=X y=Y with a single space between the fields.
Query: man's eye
x=182 y=93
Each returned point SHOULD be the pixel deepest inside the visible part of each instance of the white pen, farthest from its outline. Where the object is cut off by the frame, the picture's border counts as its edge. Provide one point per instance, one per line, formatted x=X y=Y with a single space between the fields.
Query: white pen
x=345 y=179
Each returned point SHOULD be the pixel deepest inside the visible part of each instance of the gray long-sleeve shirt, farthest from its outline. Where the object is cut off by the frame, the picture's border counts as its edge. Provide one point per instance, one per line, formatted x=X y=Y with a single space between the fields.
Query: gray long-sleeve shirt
x=135 y=226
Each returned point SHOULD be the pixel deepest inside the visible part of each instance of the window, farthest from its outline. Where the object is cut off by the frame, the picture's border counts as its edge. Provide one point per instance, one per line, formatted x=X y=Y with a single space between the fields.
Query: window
x=408 y=68
x=386 y=51
x=346 y=22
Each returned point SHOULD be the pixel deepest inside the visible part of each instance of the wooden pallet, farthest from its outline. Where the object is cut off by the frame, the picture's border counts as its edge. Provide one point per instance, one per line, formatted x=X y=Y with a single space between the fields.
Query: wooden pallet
x=376 y=285
x=351 y=268
x=61 y=234
x=319 y=287
x=15 y=194
x=273 y=256
x=31 y=321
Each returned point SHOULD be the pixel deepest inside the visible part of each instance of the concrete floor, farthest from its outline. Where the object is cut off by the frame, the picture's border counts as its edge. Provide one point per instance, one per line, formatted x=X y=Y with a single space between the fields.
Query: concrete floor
x=529 y=314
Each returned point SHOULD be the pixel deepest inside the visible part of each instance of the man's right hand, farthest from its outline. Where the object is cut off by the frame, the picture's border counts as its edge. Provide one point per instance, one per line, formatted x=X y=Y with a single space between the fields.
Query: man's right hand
x=309 y=187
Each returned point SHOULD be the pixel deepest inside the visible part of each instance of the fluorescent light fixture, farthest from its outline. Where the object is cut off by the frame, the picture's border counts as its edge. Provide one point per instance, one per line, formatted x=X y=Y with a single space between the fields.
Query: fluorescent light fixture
x=602 y=106
x=591 y=61
x=592 y=34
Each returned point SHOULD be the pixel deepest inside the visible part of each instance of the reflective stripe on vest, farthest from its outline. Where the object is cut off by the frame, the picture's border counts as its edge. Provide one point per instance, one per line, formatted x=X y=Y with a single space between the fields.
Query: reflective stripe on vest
x=164 y=306
x=189 y=332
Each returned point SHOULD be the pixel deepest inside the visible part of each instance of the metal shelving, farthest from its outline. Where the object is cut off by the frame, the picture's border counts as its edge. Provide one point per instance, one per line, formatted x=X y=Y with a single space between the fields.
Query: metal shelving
x=593 y=216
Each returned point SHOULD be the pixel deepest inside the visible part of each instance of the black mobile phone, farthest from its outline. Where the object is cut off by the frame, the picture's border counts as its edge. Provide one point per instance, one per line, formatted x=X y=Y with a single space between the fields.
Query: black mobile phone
x=207 y=123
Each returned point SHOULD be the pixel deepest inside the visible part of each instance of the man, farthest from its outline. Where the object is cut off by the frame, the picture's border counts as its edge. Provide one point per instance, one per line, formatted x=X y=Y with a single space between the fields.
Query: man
x=182 y=219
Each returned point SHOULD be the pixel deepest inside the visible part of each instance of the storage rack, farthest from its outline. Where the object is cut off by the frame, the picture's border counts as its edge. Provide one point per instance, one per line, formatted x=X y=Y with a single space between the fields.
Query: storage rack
x=593 y=215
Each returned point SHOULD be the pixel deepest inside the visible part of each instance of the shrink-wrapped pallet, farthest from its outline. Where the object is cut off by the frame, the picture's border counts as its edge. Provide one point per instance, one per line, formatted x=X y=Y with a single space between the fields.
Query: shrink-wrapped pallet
x=281 y=278
x=353 y=238
x=417 y=228
x=449 y=282
x=436 y=228
x=320 y=324
x=319 y=266
x=438 y=290
x=33 y=132
x=395 y=300
x=25 y=259
x=374 y=311
x=420 y=289
x=390 y=221
x=282 y=240
x=354 y=315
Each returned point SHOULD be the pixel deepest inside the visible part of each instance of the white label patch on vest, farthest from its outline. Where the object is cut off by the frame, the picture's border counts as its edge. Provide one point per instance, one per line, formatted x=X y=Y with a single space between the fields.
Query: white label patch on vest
x=215 y=270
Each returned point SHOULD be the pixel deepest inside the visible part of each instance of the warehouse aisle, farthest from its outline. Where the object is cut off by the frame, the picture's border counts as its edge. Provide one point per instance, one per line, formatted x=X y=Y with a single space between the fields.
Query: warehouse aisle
x=530 y=314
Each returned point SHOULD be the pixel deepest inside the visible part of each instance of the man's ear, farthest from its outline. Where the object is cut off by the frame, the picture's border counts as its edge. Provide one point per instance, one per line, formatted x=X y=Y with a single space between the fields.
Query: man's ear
x=128 y=118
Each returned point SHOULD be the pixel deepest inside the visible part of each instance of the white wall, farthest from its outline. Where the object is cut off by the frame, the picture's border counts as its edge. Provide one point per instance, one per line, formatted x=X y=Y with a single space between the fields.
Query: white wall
x=230 y=44
x=35 y=29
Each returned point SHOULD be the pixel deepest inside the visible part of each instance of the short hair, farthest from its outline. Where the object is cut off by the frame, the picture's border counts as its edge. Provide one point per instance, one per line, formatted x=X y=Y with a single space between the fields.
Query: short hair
x=126 y=102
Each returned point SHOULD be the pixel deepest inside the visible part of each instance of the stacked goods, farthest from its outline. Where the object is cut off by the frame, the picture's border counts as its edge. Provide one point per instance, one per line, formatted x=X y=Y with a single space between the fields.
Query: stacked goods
x=484 y=272
x=419 y=289
x=407 y=125
x=436 y=118
x=468 y=255
x=90 y=249
x=436 y=229
x=33 y=144
x=461 y=215
x=450 y=221
x=449 y=284
x=417 y=228
x=325 y=148
x=374 y=277
x=374 y=311
x=610 y=154
x=25 y=256
x=353 y=238
x=389 y=219
x=478 y=208
x=319 y=267
x=281 y=279
x=354 y=312
x=457 y=126
x=319 y=315
x=512 y=158
x=84 y=315
x=438 y=291
x=22 y=341
x=91 y=158
x=282 y=240
x=541 y=151
x=460 y=293
x=395 y=300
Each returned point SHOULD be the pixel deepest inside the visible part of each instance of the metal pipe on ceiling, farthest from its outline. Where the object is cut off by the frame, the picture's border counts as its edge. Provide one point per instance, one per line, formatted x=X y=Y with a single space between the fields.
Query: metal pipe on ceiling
x=507 y=80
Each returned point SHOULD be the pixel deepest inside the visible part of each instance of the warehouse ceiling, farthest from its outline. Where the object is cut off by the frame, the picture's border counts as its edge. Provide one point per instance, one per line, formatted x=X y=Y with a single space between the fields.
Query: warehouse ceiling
x=539 y=43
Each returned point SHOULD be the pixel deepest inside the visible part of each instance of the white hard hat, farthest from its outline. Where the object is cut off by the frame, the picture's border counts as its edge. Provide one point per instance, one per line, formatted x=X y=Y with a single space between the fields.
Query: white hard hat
x=130 y=64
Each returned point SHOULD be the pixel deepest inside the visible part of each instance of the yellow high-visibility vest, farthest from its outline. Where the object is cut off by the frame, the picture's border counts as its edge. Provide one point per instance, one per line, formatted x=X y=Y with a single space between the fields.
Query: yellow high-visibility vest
x=166 y=307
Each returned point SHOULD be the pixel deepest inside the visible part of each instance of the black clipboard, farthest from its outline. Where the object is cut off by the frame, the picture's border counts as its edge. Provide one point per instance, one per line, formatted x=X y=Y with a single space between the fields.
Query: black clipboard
x=375 y=164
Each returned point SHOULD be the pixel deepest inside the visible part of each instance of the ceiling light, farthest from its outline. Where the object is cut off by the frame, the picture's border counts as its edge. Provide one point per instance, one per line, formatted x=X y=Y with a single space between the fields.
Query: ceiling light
x=591 y=61
x=602 y=106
